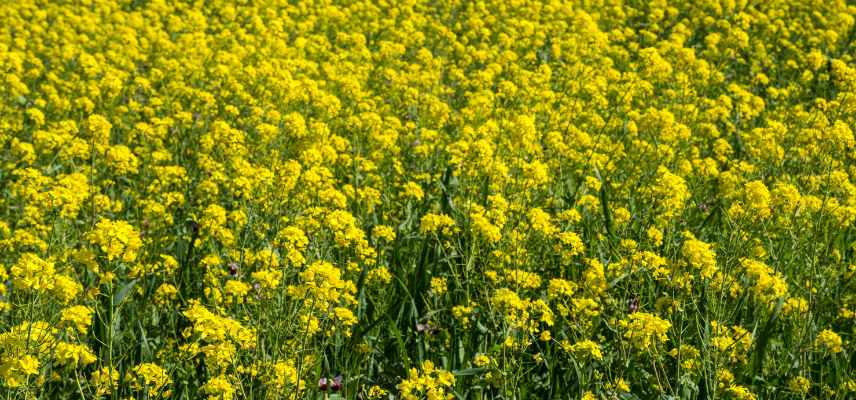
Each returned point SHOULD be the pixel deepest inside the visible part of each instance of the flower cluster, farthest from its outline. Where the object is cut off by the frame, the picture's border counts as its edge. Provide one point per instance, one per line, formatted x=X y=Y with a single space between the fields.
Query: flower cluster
x=645 y=331
x=430 y=382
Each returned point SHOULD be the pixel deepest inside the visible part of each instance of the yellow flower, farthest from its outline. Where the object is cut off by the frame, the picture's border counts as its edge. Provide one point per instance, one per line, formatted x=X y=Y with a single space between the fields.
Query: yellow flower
x=236 y=291
x=769 y=285
x=165 y=294
x=539 y=220
x=583 y=350
x=688 y=355
x=481 y=360
x=799 y=385
x=283 y=378
x=149 y=376
x=383 y=232
x=16 y=371
x=80 y=317
x=740 y=392
x=104 y=380
x=439 y=285
x=670 y=192
x=595 y=277
x=522 y=279
x=482 y=225
x=413 y=190
x=699 y=255
x=121 y=160
x=431 y=383
x=66 y=288
x=572 y=244
x=219 y=388
x=38 y=336
x=267 y=279
x=795 y=306
x=73 y=355
x=214 y=328
x=117 y=239
x=655 y=235
x=32 y=272
x=376 y=392
x=98 y=129
x=462 y=314
x=621 y=385
x=379 y=276
x=732 y=342
x=437 y=223
x=829 y=341
x=757 y=199
x=645 y=331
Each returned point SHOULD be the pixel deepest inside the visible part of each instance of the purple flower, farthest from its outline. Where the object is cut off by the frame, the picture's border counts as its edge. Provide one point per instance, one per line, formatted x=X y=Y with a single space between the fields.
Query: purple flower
x=337 y=383
x=633 y=305
x=322 y=384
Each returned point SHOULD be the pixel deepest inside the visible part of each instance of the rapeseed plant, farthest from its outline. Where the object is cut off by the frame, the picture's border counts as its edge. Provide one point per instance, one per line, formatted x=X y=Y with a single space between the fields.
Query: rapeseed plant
x=554 y=199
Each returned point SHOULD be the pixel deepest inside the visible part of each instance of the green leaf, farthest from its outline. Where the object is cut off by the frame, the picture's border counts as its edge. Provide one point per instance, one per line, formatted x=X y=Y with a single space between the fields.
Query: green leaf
x=123 y=292
x=468 y=371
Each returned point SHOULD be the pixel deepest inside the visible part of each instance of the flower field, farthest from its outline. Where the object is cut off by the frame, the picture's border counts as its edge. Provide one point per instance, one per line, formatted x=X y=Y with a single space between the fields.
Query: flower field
x=497 y=199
